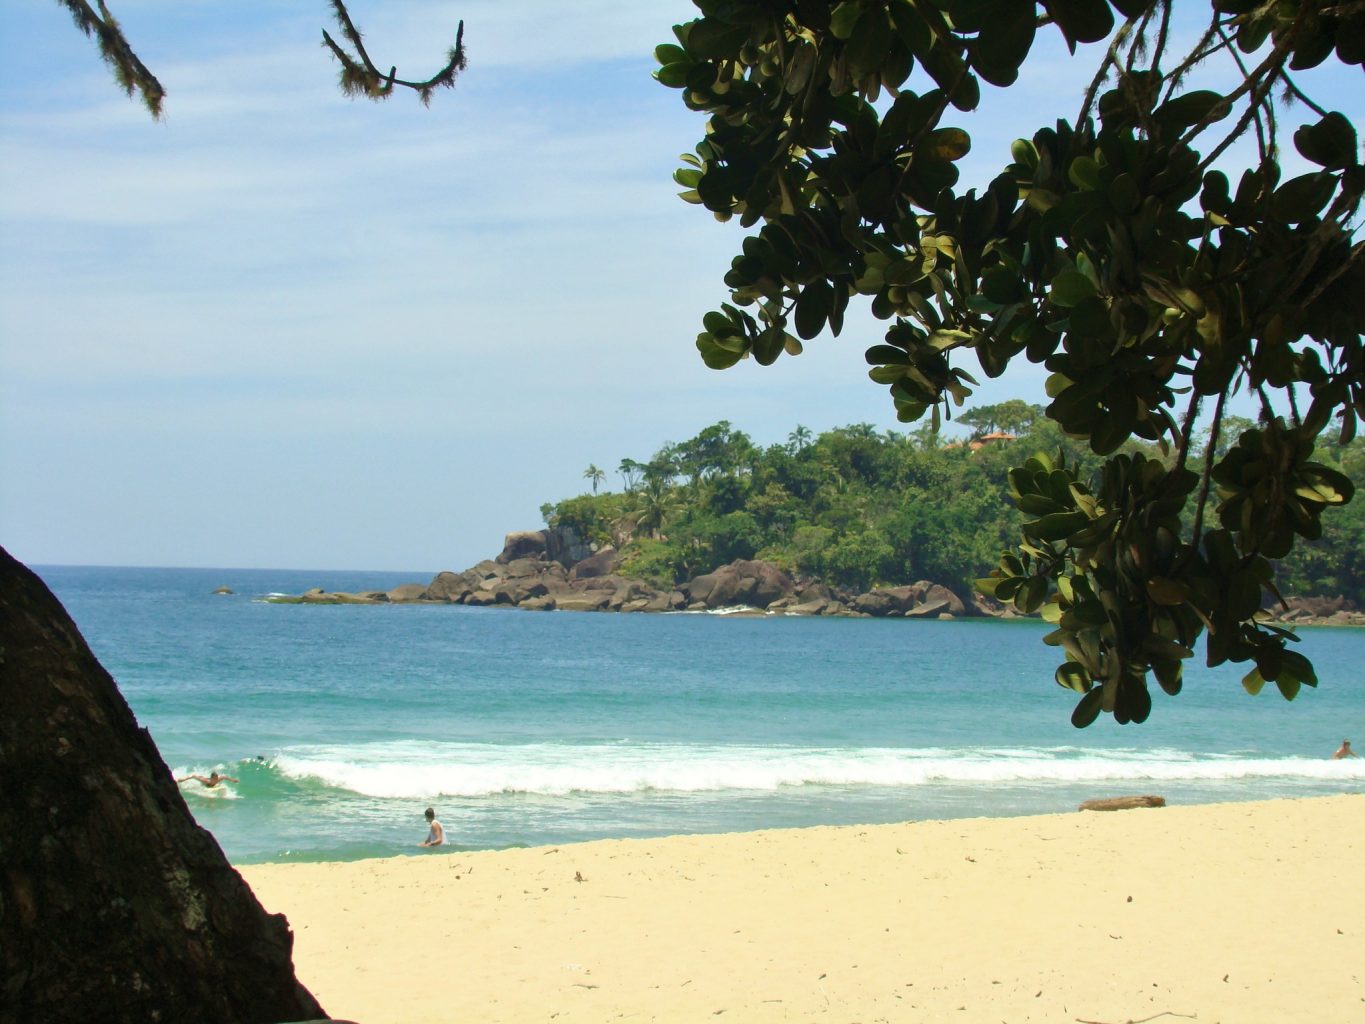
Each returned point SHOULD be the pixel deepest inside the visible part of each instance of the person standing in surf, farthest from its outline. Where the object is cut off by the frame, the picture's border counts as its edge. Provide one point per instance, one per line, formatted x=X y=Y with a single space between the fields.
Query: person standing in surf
x=436 y=835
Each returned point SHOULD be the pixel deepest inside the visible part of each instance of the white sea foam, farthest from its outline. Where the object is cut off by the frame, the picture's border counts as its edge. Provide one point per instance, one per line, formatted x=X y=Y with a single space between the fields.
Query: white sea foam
x=422 y=770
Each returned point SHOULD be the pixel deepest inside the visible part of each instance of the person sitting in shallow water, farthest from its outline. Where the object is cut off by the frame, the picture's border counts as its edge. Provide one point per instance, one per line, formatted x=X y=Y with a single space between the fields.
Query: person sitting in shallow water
x=436 y=835
x=213 y=779
x=1344 y=751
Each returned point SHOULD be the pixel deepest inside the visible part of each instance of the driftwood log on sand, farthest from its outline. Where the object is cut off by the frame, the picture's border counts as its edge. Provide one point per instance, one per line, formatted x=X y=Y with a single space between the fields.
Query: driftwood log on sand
x=1122 y=803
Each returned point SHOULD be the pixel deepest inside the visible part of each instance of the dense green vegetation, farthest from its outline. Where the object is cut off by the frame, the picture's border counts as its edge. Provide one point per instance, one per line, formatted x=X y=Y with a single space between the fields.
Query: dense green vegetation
x=858 y=508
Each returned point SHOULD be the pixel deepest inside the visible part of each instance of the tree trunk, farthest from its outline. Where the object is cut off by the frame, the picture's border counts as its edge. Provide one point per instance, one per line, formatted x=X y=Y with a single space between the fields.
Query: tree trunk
x=1122 y=803
x=114 y=905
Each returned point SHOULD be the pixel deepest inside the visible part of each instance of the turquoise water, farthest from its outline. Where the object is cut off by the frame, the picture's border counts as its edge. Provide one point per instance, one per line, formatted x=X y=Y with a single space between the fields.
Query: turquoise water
x=523 y=728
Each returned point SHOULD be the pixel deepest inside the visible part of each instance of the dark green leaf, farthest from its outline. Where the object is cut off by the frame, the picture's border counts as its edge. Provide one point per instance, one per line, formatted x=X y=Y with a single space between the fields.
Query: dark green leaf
x=669 y=53
x=711 y=38
x=1088 y=708
x=1167 y=592
x=1081 y=21
x=1303 y=197
x=1179 y=113
x=1124 y=194
x=1004 y=41
x=715 y=356
x=1168 y=674
x=719 y=325
x=1002 y=285
x=870 y=42
x=1032 y=595
x=1331 y=143
x=945 y=144
x=1059 y=525
x=843 y=19
x=1069 y=288
x=813 y=307
x=770 y=343
x=1073 y=676
x=674 y=75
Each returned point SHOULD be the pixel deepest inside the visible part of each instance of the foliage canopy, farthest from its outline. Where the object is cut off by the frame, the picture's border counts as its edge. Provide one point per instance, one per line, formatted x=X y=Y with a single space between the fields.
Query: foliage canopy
x=858 y=508
x=1110 y=250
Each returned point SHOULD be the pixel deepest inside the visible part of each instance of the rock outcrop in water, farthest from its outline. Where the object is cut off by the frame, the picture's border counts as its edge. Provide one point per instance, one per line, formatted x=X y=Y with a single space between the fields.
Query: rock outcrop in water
x=548 y=570
x=543 y=570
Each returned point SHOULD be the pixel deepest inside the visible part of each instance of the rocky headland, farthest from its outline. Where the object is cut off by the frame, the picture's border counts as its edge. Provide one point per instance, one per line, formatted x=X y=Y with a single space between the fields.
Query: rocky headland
x=551 y=570
x=542 y=570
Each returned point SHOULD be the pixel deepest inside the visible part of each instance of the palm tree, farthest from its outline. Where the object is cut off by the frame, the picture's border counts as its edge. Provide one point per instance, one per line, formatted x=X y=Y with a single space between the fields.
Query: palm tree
x=654 y=503
x=595 y=475
x=799 y=438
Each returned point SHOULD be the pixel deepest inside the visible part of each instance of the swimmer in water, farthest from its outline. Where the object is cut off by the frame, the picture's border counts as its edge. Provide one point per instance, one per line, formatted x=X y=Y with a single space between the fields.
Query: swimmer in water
x=436 y=835
x=209 y=783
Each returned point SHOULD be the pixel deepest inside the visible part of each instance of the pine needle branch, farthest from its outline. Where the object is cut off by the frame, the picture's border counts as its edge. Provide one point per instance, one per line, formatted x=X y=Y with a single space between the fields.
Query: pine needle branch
x=360 y=77
x=132 y=75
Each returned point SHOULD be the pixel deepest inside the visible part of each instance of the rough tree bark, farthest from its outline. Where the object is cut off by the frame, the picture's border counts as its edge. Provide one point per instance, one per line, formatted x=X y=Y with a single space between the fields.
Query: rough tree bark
x=114 y=905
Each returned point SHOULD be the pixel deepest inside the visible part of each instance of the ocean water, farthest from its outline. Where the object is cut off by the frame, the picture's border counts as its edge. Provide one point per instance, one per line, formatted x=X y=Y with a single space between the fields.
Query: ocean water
x=343 y=723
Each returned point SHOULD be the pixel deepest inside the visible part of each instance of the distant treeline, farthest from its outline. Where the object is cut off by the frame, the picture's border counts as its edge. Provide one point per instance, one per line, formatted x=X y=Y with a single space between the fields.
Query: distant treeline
x=860 y=508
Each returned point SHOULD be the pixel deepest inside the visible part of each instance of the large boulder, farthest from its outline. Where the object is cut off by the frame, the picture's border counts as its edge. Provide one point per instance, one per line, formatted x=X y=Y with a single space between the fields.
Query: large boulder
x=452 y=586
x=928 y=609
x=115 y=906
x=889 y=600
x=742 y=582
x=564 y=545
x=916 y=600
x=489 y=597
x=524 y=544
x=816 y=607
x=584 y=601
x=662 y=602
x=812 y=590
x=407 y=592
x=519 y=568
x=488 y=569
x=770 y=584
x=603 y=563
x=952 y=604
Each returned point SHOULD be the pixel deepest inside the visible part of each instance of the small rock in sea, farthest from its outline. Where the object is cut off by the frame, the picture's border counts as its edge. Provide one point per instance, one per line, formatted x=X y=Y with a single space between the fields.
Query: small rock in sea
x=223 y=590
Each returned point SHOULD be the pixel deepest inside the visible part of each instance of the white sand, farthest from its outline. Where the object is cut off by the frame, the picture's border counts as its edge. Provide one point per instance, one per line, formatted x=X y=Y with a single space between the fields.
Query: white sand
x=1240 y=913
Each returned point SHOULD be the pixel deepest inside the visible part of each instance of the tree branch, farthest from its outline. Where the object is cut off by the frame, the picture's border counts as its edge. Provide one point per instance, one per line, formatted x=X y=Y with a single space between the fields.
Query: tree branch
x=358 y=73
x=1206 y=476
x=131 y=73
x=360 y=77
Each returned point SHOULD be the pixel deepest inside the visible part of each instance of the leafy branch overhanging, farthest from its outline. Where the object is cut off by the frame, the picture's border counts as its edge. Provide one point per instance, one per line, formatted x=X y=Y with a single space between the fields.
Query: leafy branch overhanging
x=1111 y=251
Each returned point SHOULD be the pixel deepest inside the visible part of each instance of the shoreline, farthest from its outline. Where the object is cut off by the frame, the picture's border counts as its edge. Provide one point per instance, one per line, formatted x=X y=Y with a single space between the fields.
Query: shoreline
x=1241 y=912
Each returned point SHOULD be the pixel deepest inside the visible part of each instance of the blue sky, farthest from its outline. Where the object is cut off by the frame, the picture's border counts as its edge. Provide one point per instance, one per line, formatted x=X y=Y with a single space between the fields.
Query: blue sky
x=282 y=328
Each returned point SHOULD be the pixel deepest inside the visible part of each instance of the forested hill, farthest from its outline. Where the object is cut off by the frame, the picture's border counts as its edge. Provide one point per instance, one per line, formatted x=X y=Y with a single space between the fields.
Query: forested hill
x=860 y=508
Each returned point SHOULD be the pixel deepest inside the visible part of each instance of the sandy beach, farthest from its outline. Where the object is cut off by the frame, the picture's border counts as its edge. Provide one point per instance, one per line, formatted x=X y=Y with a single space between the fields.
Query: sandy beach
x=1239 y=913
